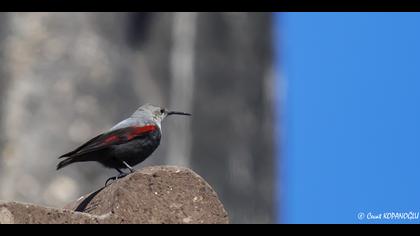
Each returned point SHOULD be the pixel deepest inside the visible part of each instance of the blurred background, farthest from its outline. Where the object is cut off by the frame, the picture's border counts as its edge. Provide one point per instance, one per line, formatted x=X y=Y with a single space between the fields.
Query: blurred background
x=297 y=117
x=66 y=77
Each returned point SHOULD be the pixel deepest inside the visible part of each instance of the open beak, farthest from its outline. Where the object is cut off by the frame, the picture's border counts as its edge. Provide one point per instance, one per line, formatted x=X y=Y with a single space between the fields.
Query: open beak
x=178 y=113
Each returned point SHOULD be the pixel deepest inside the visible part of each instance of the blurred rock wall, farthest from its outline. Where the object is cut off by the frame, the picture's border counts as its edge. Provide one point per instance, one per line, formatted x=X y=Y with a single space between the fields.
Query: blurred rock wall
x=65 y=77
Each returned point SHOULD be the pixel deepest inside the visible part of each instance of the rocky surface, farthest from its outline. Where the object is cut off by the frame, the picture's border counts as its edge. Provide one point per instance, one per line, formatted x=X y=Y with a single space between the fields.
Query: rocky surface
x=159 y=194
x=24 y=213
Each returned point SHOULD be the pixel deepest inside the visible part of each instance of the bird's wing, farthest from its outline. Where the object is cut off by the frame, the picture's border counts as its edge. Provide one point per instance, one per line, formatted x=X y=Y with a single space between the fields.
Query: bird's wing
x=113 y=137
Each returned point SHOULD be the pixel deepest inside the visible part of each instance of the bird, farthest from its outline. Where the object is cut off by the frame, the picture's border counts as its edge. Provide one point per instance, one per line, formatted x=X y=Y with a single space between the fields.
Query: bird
x=126 y=144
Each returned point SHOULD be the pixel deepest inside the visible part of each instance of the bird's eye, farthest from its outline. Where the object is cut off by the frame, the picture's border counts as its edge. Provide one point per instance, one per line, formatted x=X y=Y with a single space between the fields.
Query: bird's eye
x=162 y=111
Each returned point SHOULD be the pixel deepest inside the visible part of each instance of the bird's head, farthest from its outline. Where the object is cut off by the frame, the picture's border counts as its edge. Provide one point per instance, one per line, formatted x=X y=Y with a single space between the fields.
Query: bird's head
x=157 y=114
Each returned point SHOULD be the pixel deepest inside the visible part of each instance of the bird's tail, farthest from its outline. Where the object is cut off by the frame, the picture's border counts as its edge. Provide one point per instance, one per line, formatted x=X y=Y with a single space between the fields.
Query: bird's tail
x=65 y=162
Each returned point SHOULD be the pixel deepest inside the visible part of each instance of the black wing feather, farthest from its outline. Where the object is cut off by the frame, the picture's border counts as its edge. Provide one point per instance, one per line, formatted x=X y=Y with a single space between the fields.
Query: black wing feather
x=81 y=147
x=100 y=142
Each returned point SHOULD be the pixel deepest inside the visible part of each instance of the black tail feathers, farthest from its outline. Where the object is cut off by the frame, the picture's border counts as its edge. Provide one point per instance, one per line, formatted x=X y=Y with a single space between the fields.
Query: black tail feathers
x=65 y=162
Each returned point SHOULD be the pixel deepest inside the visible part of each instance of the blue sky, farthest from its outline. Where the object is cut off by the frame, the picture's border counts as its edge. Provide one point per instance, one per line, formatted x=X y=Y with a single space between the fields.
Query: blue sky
x=349 y=139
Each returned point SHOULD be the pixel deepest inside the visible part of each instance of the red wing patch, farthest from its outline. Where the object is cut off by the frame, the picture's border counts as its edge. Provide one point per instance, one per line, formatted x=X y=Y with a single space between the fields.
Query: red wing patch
x=140 y=130
x=111 y=139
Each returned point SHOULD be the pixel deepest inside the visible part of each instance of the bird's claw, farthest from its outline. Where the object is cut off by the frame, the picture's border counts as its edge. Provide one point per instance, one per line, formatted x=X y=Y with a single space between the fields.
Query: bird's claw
x=120 y=176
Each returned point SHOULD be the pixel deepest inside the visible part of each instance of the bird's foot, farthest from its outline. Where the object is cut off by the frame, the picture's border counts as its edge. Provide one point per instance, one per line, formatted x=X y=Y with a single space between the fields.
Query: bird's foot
x=120 y=176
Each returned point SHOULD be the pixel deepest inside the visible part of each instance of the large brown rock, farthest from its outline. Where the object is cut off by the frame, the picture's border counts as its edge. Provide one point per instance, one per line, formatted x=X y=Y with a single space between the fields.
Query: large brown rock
x=160 y=194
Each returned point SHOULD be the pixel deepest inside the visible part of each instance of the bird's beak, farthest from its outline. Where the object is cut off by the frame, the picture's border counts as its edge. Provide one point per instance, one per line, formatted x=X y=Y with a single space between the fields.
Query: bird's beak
x=178 y=113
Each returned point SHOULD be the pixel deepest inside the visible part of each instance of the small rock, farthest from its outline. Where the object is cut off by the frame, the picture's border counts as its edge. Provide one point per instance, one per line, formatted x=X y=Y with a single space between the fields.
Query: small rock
x=6 y=217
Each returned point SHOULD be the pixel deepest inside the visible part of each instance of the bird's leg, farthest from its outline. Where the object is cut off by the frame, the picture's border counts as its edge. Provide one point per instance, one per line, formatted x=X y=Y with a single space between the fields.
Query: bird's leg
x=128 y=166
x=121 y=175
